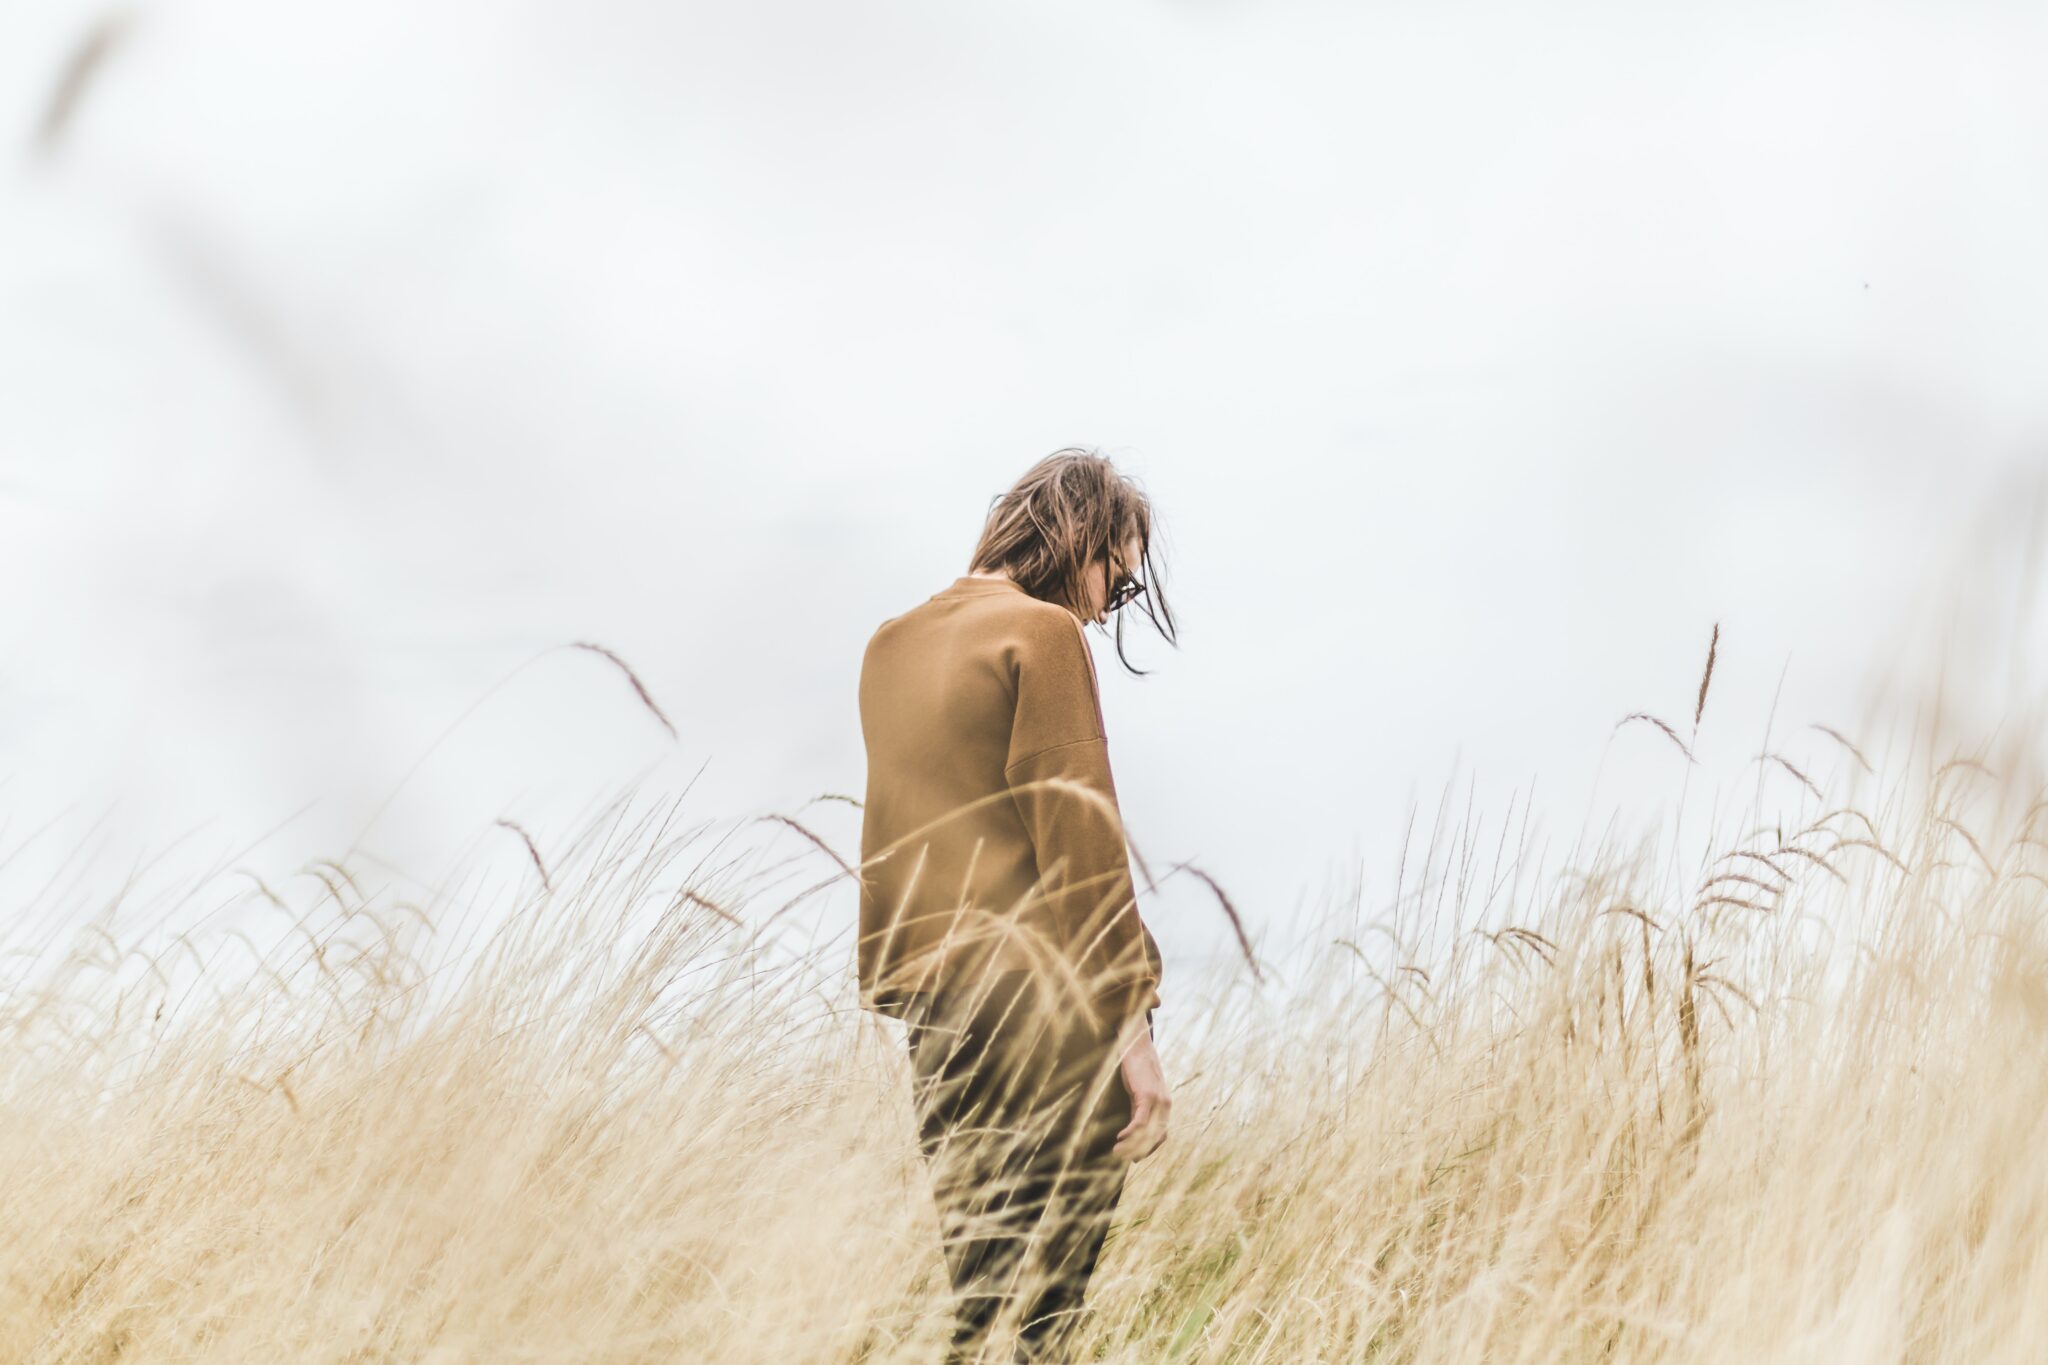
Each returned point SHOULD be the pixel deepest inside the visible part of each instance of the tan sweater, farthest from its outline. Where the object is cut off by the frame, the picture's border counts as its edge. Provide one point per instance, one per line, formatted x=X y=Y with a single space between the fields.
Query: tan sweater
x=966 y=701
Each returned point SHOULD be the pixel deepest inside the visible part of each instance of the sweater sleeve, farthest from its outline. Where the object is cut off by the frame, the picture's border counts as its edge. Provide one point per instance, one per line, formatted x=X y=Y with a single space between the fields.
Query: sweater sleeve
x=1077 y=831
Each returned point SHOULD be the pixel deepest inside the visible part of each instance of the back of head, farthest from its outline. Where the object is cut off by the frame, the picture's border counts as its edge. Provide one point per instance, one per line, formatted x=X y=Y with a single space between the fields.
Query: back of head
x=1069 y=510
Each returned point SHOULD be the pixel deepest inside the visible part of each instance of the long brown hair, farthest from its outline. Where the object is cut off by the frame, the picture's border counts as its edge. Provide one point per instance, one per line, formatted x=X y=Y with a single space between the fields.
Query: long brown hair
x=1070 y=509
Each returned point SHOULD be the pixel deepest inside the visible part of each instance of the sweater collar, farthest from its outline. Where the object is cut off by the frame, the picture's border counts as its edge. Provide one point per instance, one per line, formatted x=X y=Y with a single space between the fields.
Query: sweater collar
x=967 y=585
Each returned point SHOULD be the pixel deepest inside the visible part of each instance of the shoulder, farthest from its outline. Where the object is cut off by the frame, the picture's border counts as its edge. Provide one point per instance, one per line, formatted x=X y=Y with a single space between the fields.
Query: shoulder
x=882 y=631
x=888 y=643
x=1037 y=628
x=1021 y=629
x=1035 y=614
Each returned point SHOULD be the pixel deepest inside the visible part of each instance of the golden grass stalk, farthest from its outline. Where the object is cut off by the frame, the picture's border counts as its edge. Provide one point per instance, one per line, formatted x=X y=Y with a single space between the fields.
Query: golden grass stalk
x=607 y=1126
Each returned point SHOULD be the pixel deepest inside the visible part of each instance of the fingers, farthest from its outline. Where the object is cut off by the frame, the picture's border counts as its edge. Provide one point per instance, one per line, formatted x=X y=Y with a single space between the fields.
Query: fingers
x=1141 y=1145
x=1145 y=1133
x=1141 y=1112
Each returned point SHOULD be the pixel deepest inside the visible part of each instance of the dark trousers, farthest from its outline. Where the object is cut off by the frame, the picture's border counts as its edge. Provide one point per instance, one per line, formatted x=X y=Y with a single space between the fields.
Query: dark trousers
x=1018 y=1105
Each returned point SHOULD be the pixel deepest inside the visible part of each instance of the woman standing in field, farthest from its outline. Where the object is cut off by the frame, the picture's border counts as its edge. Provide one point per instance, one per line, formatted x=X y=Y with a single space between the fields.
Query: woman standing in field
x=997 y=915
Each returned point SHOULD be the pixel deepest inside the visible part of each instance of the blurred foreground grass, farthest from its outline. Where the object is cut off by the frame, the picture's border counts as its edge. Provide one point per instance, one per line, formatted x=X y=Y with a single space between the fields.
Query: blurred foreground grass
x=1781 y=1100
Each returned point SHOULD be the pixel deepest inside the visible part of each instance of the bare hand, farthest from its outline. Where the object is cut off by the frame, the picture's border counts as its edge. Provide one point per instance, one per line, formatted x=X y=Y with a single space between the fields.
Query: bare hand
x=1150 y=1103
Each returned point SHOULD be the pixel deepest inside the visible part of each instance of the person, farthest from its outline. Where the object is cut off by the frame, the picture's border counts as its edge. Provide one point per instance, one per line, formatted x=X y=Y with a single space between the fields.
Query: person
x=998 y=918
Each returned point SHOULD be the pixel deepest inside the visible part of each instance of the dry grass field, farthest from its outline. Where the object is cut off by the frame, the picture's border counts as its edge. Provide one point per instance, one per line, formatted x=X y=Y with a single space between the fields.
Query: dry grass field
x=1779 y=1100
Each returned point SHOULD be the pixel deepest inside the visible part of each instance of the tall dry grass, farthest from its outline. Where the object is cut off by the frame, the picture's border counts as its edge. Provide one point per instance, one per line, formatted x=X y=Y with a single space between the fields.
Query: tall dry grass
x=1778 y=1100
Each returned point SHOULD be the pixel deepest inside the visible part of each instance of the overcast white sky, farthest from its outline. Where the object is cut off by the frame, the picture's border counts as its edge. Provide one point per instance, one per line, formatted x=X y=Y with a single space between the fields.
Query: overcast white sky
x=1478 y=357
